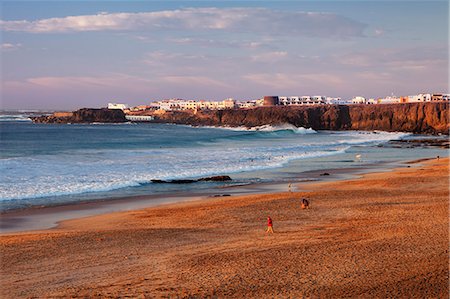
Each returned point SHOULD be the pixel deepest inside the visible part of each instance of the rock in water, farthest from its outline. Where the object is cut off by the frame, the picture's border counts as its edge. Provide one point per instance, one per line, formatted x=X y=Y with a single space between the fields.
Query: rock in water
x=85 y=115
x=219 y=178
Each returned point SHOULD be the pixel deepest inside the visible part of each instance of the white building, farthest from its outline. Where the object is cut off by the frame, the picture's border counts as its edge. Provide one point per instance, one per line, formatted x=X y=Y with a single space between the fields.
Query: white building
x=188 y=105
x=178 y=104
x=248 y=104
x=169 y=105
x=446 y=97
x=139 y=118
x=422 y=97
x=229 y=103
x=303 y=100
x=336 y=101
x=359 y=100
x=117 y=106
x=389 y=100
x=259 y=102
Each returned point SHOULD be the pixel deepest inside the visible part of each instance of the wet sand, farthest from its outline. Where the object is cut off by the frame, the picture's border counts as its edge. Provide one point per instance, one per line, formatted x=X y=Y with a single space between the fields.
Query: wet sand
x=383 y=235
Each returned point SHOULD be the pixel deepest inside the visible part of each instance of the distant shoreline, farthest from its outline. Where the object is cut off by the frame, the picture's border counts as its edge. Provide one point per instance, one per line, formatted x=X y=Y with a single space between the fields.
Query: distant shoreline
x=419 y=118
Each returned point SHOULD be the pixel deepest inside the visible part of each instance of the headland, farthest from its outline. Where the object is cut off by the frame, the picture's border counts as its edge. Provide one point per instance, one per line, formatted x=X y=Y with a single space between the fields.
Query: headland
x=420 y=118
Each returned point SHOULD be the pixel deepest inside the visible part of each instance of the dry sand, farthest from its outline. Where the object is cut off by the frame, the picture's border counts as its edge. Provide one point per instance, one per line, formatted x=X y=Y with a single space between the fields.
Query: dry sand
x=384 y=236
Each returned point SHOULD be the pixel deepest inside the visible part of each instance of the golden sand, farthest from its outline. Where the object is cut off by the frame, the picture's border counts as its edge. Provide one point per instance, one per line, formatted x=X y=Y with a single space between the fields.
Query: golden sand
x=384 y=235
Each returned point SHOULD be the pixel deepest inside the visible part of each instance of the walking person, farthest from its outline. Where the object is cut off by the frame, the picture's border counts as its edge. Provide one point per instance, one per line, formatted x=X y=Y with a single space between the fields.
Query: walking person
x=305 y=203
x=269 y=225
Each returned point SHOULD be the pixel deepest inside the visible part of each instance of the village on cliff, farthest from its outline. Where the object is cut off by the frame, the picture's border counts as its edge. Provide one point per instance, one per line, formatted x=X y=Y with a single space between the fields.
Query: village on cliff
x=229 y=103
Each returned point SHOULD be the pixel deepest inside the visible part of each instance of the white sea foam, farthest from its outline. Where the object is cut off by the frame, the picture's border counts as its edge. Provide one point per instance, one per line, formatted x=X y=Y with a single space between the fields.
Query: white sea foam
x=15 y=117
x=80 y=170
x=363 y=137
x=54 y=176
x=272 y=128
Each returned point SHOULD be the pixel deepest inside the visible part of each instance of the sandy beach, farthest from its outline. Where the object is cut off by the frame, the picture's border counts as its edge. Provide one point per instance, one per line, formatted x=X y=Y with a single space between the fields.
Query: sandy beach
x=384 y=235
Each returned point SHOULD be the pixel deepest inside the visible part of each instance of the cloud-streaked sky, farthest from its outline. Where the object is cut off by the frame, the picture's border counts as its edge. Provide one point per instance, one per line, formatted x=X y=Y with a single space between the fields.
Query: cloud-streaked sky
x=66 y=55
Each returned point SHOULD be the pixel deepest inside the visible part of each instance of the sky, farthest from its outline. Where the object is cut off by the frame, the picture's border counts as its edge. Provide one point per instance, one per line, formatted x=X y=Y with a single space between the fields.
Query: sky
x=71 y=54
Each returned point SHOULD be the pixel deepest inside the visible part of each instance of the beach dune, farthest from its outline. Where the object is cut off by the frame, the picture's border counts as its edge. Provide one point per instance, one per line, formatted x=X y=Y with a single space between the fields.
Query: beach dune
x=383 y=235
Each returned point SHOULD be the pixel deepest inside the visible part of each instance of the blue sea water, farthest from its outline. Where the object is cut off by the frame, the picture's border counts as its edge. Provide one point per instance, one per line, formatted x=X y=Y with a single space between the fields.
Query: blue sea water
x=42 y=164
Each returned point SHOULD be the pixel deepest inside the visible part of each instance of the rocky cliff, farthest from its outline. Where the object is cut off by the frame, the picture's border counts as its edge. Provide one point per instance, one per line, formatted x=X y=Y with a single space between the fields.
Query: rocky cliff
x=430 y=118
x=85 y=115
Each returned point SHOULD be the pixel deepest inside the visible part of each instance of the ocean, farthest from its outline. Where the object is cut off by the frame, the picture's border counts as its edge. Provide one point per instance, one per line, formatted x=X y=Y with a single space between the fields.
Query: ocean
x=47 y=164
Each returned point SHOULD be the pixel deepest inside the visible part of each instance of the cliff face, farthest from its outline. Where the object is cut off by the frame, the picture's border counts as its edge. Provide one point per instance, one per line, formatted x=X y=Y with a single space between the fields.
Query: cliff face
x=430 y=118
x=85 y=115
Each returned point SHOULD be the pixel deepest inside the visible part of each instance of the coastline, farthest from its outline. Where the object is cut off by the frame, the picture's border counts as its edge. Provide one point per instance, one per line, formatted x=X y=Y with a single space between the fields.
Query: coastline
x=382 y=235
x=40 y=217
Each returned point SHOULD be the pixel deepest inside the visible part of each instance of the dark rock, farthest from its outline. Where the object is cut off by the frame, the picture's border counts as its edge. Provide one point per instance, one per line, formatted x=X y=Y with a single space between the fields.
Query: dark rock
x=182 y=181
x=85 y=115
x=325 y=173
x=159 y=181
x=429 y=142
x=219 y=178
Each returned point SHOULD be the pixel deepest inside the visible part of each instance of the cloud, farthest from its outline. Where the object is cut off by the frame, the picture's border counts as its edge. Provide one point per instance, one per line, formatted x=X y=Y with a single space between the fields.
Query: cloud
x=9 y=46
x=77 y=83
x=270 y=57
x=87 y=90
x=412 y=58
x=258 y=20
x=378 y=32
x=194 y=81
x=215 y=43
x=309 y=82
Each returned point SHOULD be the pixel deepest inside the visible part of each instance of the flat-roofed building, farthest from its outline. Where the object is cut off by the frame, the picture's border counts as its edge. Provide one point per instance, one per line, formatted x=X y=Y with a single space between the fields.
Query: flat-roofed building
x=301 y=100
x=117 y=106
x=359 y=100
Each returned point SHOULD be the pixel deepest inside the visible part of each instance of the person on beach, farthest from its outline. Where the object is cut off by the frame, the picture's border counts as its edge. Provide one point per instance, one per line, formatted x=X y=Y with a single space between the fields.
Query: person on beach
x=305 y=203
x=289 y=187
x=269 y=225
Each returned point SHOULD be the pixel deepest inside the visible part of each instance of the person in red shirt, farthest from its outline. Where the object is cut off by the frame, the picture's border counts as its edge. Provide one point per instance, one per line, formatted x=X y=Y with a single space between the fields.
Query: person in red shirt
x=269 y=225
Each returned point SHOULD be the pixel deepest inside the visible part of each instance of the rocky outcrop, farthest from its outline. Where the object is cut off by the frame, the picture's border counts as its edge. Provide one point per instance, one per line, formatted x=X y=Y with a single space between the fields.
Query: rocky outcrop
x=429 y=118
x=219 y=178
x=85 y=115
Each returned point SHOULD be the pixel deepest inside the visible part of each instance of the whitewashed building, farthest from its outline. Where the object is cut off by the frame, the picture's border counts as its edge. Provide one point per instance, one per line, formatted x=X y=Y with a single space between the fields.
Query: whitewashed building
x=169 y=105
x=336 y=101
x=247 y=104
x=301 y=100
x=139 y=118
x=389 y=100
x=359 y=100
x=422 y=97
x=117 y=106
